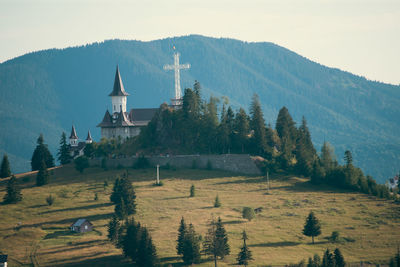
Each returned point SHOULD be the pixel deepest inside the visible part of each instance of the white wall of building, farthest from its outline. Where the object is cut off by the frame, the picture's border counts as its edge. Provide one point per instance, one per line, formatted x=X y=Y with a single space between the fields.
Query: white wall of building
x=118 y=102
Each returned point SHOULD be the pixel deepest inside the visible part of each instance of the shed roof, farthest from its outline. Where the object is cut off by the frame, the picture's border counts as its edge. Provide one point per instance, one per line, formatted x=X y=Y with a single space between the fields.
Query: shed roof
x=79 y=222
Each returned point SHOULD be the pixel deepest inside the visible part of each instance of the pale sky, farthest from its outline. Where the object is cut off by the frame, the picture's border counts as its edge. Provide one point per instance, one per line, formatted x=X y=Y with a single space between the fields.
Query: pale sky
x=359 y=36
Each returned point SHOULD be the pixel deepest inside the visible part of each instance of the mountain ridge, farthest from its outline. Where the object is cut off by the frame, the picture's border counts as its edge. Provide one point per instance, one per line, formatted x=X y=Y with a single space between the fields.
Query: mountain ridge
x=347 y=110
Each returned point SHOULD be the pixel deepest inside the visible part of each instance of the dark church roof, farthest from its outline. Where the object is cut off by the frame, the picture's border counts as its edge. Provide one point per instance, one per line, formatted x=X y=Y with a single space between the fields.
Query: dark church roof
x=142 y=114
x=73 y=133
x=107 y=120
x=118 y=89
x=122 y=120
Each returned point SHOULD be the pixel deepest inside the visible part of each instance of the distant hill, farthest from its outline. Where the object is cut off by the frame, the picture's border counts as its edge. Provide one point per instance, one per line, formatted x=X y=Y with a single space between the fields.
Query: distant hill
x=47 y=91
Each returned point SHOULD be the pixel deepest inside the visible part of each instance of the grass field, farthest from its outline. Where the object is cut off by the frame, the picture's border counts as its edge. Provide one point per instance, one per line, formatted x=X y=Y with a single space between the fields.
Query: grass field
x=35 y=234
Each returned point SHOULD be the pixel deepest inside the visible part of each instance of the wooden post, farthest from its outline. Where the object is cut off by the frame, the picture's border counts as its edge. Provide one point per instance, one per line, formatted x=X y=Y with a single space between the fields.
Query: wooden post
x=158 y=174
x=267 y=182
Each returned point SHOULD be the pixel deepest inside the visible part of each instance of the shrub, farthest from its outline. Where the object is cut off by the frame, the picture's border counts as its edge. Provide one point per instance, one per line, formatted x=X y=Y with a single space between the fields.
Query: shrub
x=335 y=237
x=81 y=163
x=96 y=197
x=192 y=191
x=248 y=213
x=50 y=200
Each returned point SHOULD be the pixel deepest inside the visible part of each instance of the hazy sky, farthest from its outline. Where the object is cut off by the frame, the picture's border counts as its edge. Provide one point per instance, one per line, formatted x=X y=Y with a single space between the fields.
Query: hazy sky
x=360 y=36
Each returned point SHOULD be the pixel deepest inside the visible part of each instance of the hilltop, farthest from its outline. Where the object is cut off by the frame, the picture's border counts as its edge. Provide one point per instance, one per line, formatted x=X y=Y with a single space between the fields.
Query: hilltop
x=33 y=232
x=47 y=91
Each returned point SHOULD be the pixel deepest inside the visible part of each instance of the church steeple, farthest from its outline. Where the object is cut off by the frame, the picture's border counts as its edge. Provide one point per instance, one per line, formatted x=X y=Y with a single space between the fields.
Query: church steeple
x=118 y=94
x=89 y=139
x=73 y=138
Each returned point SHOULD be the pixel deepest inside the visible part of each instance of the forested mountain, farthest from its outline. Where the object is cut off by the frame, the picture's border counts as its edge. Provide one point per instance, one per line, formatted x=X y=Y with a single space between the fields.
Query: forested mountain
x=48 y=91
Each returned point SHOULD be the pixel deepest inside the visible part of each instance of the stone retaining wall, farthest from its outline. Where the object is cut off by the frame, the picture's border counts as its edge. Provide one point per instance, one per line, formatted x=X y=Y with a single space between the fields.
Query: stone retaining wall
x=239 y=163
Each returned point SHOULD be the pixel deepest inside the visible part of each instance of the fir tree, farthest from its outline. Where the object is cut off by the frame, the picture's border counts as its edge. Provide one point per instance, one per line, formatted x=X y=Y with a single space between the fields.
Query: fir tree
x=318 y=173
x=124 y=197
x=13 y=192
x=181 y=237
x=348 y=158
x=5 y=167
x=192 y=191
x=217 y=202
x=130 y=241
x=63 y=152
x=312 y=226
x=147 y=254
x=241 y=127
x=338 y=257
x=216 y=241
x=244 y=255
x=42 y=177
x=328 y=260
x=113 y=229
x=41 y=153
x=328 y=158
x=120 y=210
x=191 y=247
x=257 y=123
x=287 y=133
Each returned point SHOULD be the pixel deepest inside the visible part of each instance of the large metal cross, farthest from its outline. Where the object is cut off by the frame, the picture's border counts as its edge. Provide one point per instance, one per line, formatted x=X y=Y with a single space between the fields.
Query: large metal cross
x=176 y=67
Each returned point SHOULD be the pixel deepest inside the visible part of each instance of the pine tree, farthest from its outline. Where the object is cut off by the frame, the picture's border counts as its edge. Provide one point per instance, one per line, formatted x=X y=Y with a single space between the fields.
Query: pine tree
x=216 y=241
x=217 y=202
x=244 y=255
x=328 y=260
x=113 y=229
x=257 y=124
x=13 y=192
x=63 y=152
x=318 y=173
x=191 y=247
x=147 y=254
x=348 y=158
x=40 y=153
x=305 y=151
x=192 y=191
x=130 y=241
x=338 y=257
x=287 y=133
x=328 y=158
x=124 y=197
x=42 y=177
x=312 y=226
x=120 y=210
x=5 y=167
x=181 y=237
x=241 y=126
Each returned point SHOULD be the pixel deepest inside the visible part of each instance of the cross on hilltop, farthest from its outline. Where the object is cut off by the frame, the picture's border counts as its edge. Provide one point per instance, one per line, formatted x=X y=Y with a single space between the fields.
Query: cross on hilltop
x=177 y=101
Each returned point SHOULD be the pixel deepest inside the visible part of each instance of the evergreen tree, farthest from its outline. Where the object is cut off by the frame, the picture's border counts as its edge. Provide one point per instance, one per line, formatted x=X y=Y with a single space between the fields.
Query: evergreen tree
x=147 y=254
x=287 y=132
x=217 y=202
x=241 y=127
x=89 y=150
x=328 y=260
x=328 y=158
x=314 y=262
x=42 y=177
x=63 y=152
x=216 y=241
x=338 y=258
x=13 y=192
x=312 y=226
x=257 y=124
x=120 y=210
x=191 y=247
x=318 y=173
x=124 y=197
x=305 y=151
x=192 y=191
x=181 y=237
x=5 y=167
x=348 y=158
x=113 y=229
x=131 y=239
x=244 y=255
x=40 y=153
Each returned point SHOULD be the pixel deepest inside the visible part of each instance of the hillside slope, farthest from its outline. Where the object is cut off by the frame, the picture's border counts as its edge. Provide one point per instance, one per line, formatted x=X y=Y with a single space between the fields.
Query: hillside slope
x=47 y=91
x=33 y=232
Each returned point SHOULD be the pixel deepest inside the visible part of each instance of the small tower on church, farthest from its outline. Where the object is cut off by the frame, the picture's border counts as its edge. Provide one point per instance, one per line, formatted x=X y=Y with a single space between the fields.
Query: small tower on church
x=89 y=139
x=73 y=139
x=118 y=95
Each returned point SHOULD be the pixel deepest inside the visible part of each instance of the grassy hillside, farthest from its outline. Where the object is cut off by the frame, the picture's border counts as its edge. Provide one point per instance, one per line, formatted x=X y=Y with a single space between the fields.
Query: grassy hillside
x=32 y=232
x=47 y=91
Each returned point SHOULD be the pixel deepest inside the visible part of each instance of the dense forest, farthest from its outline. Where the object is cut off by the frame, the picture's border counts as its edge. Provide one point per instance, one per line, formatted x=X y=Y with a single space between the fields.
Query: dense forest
x=49 y=90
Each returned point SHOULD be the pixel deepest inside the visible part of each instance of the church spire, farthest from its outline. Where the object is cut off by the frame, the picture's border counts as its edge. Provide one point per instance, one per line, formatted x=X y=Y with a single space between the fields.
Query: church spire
x=73 y=138
x=118 y=89
x=89 y=139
